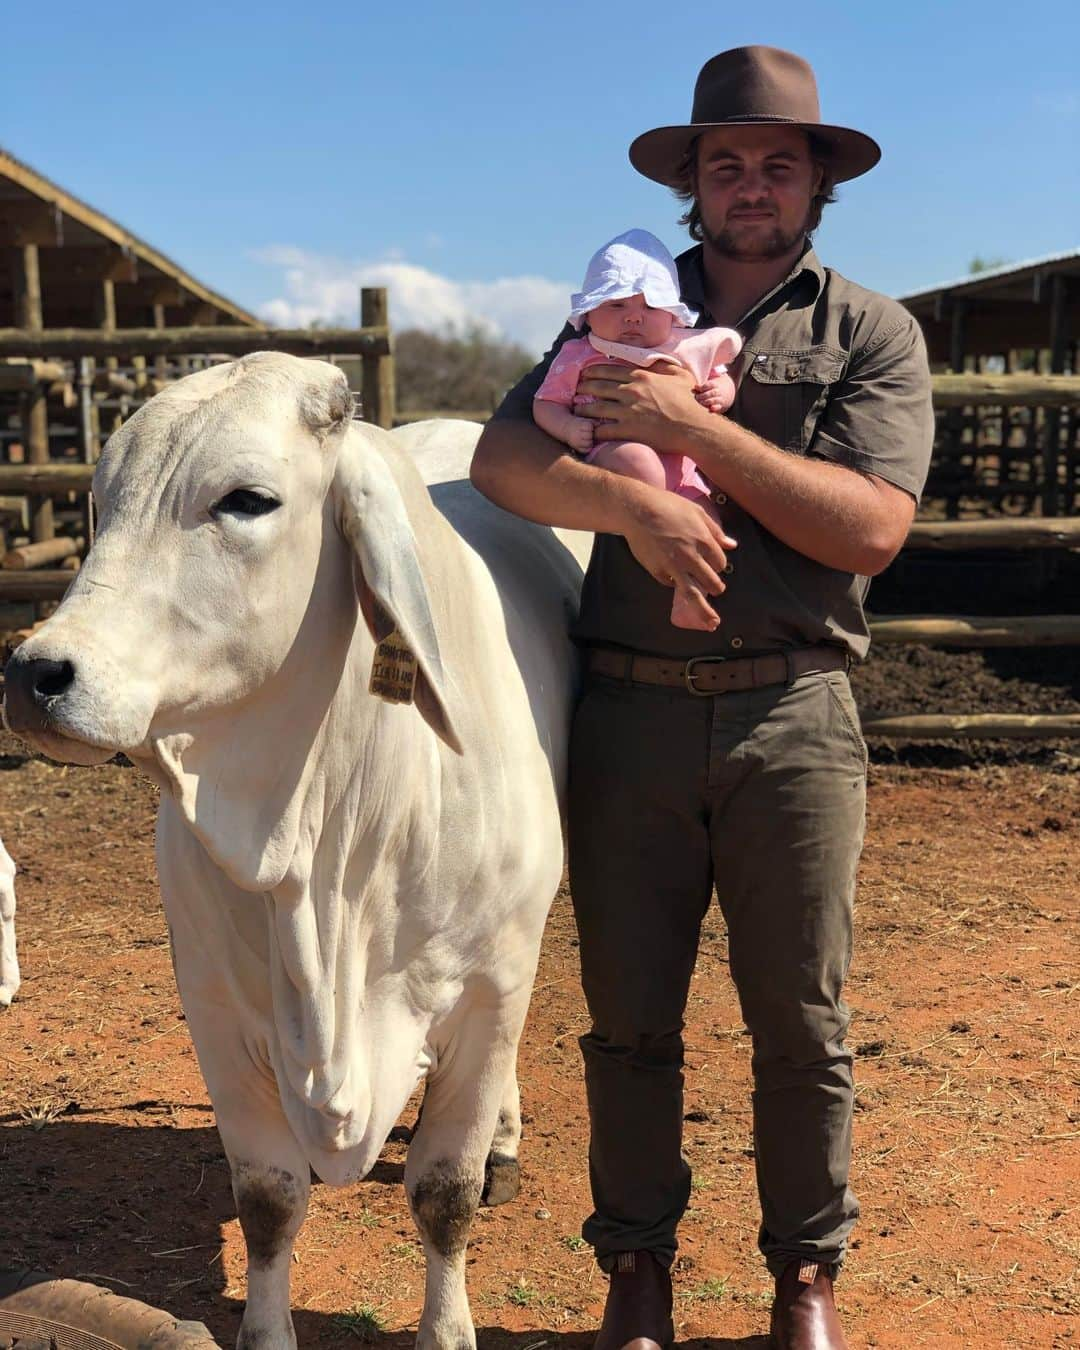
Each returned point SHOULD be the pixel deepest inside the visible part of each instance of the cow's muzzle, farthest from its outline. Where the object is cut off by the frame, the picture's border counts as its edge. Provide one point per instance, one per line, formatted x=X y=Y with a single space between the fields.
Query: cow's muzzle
x=33 y=684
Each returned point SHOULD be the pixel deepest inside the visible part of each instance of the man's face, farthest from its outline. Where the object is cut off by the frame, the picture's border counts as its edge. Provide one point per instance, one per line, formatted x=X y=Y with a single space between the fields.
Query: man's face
x=754 y=187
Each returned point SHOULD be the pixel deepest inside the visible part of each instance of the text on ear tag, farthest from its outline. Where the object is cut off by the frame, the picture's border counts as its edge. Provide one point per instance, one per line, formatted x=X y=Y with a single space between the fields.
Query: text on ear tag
x=393 y=671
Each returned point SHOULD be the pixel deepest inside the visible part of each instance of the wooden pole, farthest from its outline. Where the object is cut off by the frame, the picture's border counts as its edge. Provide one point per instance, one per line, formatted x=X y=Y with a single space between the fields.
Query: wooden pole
x=40 y=555
x=977 y=630
x=1023 y=389
x=378 y=371
x=997 y=726
x=91 y=435
x=161 y=363
x=28 y=312
x=957 y=333
x=44 y=585
x=55 y=480
x=954 y=418
x=105 y=309
x=22 y=376
x=1021 y=533
x=105 y=313
x=1052 y=423
x=237 y=341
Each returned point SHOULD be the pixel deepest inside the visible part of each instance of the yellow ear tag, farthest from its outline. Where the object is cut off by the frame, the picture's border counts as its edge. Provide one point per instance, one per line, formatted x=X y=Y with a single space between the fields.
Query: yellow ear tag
x=393 y=671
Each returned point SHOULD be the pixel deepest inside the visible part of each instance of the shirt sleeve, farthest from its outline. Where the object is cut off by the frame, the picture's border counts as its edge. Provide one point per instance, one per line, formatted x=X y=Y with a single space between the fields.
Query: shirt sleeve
x=517 y=404
x=880 y=418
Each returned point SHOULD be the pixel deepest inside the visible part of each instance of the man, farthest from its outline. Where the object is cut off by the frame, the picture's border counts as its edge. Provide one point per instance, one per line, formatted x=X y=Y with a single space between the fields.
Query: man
x=731 y=757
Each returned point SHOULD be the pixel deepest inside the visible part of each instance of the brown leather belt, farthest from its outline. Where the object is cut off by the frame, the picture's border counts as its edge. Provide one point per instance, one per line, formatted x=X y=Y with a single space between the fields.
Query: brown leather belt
x=708 y=675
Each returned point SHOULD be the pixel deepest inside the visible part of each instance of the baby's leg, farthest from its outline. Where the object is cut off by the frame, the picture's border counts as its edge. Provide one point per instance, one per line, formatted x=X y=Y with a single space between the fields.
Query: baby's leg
x=674 y=473
x=632 y=460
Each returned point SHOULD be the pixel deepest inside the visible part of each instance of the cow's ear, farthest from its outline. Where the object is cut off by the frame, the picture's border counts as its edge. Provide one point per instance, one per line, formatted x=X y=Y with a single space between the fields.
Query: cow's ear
x=391 y=590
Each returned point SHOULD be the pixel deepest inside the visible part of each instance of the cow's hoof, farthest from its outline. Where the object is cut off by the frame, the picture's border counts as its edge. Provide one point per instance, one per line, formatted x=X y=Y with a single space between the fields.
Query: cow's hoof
x=502 y=1179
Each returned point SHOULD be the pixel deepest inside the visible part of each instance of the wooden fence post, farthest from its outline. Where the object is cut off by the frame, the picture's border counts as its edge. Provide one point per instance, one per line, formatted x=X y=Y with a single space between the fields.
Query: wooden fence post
x=954 y=418
x=378 y=371
x=1052 y=422
x=28 y=314
x=105 y=312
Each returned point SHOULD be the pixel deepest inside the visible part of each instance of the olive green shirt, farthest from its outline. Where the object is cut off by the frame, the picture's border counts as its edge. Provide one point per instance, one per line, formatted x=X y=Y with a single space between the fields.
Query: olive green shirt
x=829 y=370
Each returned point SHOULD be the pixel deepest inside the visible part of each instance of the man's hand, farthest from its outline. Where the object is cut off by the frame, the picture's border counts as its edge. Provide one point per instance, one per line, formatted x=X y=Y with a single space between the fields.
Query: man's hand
x=676 y=541
x=655 y=406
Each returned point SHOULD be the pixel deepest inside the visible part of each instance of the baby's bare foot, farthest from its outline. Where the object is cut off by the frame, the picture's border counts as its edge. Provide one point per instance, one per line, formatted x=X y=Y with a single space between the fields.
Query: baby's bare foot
x=690 y=609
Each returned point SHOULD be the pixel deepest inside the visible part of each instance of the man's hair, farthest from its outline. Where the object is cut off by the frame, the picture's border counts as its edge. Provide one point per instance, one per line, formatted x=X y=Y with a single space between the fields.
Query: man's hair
x=684 y=188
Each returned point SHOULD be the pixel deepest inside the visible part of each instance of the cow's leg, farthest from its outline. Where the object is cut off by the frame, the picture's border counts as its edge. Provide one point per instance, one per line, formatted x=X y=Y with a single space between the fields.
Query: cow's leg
x=271 y=1177
x=502 y=1175
x=272 y=1199
x=270 y=1173
x=444 y=1172
x=9 y=960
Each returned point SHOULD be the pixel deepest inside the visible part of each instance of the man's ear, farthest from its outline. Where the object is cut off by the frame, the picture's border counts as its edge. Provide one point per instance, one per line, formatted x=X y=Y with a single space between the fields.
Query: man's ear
x=390 y=585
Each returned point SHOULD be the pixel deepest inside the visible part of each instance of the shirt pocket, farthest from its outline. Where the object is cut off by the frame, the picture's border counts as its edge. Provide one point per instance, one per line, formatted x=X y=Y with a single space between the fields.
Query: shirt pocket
x=795 y=383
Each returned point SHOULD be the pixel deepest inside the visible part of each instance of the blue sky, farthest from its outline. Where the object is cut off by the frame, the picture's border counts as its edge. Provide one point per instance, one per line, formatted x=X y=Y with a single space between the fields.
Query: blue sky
x=472 y=157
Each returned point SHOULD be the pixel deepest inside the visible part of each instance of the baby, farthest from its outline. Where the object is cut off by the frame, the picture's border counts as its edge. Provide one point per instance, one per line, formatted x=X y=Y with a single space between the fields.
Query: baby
x=630 y=297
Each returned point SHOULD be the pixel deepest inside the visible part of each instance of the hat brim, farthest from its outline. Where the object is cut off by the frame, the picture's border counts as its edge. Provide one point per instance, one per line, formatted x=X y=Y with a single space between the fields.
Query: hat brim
x=659 y=154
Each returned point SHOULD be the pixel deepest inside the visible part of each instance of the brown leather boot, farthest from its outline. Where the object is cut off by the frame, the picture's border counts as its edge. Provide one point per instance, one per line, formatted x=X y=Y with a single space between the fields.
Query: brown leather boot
x=804 y=1314
x=637 y=1314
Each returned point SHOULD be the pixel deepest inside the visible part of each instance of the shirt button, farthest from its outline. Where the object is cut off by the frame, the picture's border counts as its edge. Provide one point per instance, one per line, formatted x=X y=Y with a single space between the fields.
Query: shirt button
x=720 y=498
x=736 y=641
x=728 y=569
x=792 y=372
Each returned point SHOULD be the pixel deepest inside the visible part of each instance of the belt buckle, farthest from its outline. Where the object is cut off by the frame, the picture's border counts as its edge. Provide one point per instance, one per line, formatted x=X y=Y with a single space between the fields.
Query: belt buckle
x=688 y=673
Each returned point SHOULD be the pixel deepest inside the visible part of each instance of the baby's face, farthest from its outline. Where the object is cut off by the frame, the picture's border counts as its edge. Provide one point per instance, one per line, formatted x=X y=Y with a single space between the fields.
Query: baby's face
x=631 y=322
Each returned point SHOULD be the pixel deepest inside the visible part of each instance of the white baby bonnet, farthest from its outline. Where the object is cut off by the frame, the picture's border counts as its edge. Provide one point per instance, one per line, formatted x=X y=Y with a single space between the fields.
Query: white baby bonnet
x=634 y=263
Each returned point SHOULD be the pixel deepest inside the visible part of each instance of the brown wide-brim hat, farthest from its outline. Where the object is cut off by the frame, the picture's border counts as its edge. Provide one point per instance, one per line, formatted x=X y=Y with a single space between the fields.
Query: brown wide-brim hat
x=746 y=86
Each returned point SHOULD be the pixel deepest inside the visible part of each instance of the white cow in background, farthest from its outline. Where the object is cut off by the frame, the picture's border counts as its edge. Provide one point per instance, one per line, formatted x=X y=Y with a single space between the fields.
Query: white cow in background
x=9 y=960
x=355 y=888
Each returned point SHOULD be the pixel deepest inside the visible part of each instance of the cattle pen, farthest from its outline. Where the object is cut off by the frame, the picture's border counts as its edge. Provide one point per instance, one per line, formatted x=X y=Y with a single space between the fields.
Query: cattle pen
x=93 y=322
x=963 y=990
x=97 y=322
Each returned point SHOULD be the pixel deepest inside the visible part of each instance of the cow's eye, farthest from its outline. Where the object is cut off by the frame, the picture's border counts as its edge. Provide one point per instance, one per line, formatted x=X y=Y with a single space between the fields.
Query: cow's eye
x=245 y=502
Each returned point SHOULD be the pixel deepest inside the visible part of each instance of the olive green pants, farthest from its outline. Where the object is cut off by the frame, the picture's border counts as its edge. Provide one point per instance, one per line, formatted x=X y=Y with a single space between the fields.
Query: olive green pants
x=762 y=795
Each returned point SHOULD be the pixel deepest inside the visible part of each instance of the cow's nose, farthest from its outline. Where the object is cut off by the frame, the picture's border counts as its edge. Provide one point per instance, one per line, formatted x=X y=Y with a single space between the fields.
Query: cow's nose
x=41 y=679
x=30 y=684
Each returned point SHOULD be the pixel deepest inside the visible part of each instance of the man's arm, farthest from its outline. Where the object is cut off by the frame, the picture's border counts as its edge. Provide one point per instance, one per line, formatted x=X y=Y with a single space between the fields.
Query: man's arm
x=830 y=506
x=523 y=470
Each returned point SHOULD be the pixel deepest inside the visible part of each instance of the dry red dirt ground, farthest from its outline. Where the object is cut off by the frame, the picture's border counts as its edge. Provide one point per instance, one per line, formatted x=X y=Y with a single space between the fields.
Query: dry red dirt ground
x=966 y=1012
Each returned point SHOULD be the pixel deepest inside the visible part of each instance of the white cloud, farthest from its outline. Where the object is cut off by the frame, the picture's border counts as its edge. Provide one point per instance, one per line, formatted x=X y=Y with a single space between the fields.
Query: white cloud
x=530 y=310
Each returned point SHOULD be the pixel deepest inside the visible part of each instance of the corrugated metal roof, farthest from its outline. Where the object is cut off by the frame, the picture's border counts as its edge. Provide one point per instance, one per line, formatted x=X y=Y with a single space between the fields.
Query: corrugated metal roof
x=37 y=185
x=978 y=279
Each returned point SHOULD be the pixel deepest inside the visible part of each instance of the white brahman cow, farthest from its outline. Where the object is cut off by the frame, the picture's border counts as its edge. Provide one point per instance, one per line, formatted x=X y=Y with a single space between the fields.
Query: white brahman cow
x=355 y=887
x=9 y=960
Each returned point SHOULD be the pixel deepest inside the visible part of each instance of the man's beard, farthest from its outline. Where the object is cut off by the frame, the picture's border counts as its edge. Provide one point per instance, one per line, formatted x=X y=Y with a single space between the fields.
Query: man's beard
x=763 y=248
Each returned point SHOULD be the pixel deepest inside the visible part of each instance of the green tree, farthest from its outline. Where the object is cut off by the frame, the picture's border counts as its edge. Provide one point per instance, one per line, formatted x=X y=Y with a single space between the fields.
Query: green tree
x=980 y=264
x=455 y=372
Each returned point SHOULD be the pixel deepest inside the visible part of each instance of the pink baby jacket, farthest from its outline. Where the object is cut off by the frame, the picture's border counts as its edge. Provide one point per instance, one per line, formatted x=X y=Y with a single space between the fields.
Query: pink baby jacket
x=705 y=352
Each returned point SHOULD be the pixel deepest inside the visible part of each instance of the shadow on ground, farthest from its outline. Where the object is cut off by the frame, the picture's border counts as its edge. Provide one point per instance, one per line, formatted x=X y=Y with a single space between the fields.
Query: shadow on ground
x=140 y=1210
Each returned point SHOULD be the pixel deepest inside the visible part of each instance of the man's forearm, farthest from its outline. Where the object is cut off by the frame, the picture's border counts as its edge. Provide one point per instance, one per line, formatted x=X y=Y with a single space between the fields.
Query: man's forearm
x=523 y=470
x=852 y=521
x=847 y=520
